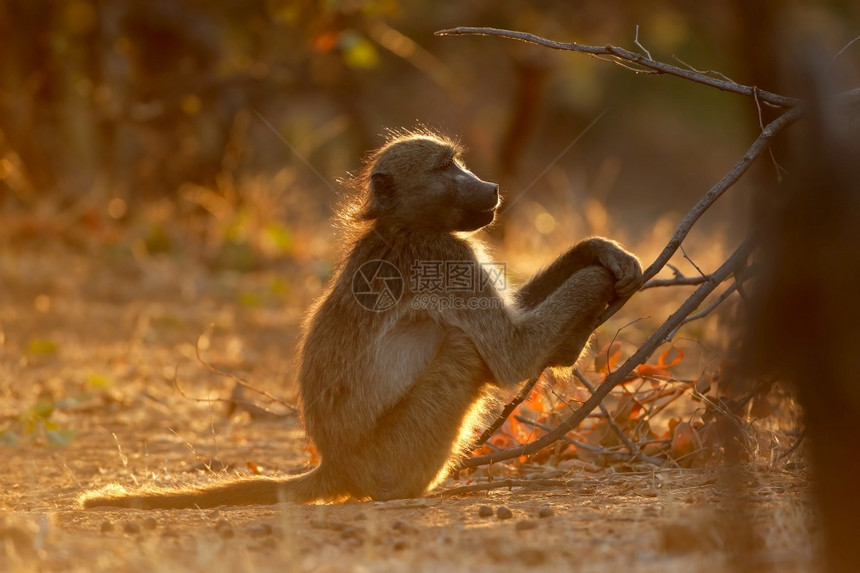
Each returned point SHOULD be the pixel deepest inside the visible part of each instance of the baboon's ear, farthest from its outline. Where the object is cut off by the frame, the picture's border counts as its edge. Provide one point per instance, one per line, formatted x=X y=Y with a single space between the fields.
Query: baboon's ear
x=381 y=197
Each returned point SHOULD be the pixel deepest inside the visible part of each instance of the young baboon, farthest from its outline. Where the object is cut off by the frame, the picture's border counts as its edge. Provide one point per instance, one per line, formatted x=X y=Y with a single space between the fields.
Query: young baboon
x=414 y=328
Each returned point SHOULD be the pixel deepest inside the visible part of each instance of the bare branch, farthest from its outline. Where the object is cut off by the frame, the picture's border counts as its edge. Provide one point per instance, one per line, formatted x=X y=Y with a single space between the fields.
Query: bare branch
x=677 y=281
x=640 y=356
x=506 y=412
x=626 y=56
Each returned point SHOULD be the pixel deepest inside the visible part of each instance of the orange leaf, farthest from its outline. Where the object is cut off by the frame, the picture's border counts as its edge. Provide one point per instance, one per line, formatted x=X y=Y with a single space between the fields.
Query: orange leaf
x=650 y=371
x=536 y=402
x=325 y=42
x=670 y=357
x=605 y=360
x=673 y=423
x=685 y=439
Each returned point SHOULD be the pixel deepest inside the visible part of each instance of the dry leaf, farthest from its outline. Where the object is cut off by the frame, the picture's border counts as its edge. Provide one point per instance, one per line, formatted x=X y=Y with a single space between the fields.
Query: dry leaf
x=685 y=440
x=605 y=360
x=670 y=357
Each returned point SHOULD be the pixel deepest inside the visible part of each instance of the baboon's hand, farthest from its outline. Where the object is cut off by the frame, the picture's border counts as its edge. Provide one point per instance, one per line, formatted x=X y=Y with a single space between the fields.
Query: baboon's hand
x=624 y=266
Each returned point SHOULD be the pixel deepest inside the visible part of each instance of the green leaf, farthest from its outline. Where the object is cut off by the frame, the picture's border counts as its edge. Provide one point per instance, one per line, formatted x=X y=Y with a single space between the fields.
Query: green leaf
x=98 y=381
x=9 y=438
x=60 y=438
x=42 y=409
x=250 y=299
x=41 y=347
x=358 y=52
x=278 y=238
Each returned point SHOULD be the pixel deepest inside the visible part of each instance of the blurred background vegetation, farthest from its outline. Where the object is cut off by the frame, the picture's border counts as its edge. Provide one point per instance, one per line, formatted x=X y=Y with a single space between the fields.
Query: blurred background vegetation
x=109 y=106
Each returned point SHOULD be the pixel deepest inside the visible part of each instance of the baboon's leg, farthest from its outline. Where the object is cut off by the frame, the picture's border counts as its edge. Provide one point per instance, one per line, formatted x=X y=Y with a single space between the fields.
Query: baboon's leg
x=415 y=439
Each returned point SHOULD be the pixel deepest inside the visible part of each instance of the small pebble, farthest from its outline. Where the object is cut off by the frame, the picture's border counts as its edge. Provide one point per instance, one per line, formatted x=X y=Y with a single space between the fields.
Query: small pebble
x=485 y=511
x=526 y=524
x=504 y=513
x=170 y=534
x=399 y=544
x=546 y=511
x=149 y=523
x=131 y=527
x=106 y=526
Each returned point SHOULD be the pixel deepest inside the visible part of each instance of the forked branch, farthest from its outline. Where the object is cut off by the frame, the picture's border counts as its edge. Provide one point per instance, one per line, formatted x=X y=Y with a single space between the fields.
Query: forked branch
x=644 y=63
x=625 y=57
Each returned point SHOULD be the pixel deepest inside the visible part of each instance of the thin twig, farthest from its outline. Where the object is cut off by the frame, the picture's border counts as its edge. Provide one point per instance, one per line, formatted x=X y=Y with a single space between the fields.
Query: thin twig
x=720 y=75
x=692 y=262
x=507 y=483
x=639 y=357
x=628 y=56
x=506 y=412
x=776 y=165
x=233 y=377
x=640 y=46
x=233 y=401
x=705 y=311
x=675 y=270
x=634 y=449
x=840 y=52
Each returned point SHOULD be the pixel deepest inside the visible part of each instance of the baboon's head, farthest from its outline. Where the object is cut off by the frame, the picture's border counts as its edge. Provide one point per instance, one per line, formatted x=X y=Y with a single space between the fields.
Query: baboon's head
x=418 y=180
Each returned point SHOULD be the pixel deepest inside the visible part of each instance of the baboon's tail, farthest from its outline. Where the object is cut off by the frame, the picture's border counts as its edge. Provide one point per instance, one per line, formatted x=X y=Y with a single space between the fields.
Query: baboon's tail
x=315 y=485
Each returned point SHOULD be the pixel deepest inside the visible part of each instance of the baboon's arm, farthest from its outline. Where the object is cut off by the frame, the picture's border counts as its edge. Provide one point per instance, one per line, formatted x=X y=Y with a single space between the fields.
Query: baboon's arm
x=517 y=344
x=593 y=251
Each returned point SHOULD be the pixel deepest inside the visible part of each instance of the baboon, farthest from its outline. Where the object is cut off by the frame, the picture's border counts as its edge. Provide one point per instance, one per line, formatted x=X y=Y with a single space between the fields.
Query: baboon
x=393 y=365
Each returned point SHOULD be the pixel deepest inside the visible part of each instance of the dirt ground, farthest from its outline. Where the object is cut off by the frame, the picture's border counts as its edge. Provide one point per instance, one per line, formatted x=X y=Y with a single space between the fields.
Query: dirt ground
x=90 y=348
